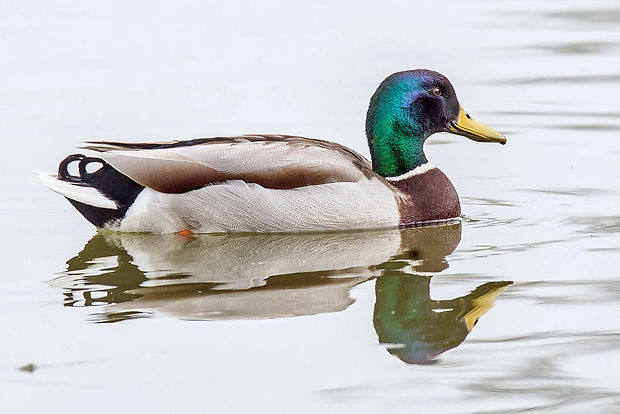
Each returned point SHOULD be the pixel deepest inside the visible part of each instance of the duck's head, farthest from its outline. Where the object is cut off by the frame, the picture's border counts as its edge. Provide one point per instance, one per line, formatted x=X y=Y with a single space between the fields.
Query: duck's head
x=407 y=108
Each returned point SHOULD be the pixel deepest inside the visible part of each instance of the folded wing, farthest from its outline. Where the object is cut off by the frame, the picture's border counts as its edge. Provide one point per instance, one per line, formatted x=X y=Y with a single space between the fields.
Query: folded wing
x=277 y=162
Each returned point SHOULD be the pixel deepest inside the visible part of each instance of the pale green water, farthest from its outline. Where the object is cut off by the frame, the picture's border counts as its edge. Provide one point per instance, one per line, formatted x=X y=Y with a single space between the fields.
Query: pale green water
x=303 y=323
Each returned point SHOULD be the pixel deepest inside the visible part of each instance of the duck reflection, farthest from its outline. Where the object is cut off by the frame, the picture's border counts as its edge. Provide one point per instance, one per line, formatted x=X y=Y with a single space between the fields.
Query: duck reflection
x=229 y=276
x=416 y=328
x=237 y=276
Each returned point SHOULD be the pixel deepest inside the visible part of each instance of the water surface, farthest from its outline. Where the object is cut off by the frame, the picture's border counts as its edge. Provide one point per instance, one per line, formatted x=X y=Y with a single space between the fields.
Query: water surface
x=514 y=310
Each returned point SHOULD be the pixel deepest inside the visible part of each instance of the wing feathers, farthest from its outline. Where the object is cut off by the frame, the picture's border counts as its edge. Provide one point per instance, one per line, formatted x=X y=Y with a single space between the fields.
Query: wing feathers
x=164 y=175
x=275 y=162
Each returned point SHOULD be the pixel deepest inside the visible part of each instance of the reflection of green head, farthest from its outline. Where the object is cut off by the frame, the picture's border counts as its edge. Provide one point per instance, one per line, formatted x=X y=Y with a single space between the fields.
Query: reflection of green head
x=405 y=316
x=416 y=327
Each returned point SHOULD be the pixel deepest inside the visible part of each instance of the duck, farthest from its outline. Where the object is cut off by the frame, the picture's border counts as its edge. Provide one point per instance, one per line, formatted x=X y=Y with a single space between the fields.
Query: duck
x=281 y=183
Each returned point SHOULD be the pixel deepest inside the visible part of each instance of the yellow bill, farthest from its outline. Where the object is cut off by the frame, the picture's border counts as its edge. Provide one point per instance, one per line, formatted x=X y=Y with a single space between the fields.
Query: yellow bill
x=472 y=129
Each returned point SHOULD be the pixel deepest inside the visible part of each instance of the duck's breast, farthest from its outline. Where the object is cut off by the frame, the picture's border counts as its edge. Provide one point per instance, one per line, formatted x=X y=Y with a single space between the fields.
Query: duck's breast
x=429 y=197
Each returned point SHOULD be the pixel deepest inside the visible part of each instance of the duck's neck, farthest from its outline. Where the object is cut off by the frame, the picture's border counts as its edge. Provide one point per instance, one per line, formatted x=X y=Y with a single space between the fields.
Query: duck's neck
x=395 y=149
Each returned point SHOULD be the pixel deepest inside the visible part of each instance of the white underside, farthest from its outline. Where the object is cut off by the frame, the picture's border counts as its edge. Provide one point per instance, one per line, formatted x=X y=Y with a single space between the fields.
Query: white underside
x=236 y=206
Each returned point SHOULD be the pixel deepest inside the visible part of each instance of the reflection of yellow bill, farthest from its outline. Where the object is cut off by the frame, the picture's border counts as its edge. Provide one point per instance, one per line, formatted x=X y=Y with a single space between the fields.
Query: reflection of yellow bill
x=481 y=305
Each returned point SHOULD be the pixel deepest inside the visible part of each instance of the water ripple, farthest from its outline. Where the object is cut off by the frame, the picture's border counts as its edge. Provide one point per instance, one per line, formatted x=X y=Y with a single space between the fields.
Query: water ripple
x=590 y=15
x=577 y=48
x=563 y=80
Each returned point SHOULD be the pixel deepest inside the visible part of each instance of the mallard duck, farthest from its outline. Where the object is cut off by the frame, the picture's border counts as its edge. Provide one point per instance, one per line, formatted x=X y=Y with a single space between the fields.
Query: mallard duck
x=281 y=183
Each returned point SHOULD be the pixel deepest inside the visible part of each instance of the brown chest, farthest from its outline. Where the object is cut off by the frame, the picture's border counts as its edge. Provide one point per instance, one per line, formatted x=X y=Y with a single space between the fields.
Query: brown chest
x=430 y=196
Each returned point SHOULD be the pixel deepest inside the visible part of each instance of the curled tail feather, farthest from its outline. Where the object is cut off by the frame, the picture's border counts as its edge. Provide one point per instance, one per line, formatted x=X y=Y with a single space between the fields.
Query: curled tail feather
x=101 y=195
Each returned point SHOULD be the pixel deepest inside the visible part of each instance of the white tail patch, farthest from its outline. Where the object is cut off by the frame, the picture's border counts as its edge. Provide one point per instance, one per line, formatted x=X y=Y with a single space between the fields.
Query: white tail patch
x=81 y=193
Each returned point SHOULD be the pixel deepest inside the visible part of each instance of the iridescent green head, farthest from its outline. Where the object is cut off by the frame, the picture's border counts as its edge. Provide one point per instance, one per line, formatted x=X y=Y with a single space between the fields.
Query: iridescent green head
x=407 y=108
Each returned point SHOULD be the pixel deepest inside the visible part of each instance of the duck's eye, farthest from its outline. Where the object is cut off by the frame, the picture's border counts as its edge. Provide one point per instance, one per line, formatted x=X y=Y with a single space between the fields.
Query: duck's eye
x=436 y=91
